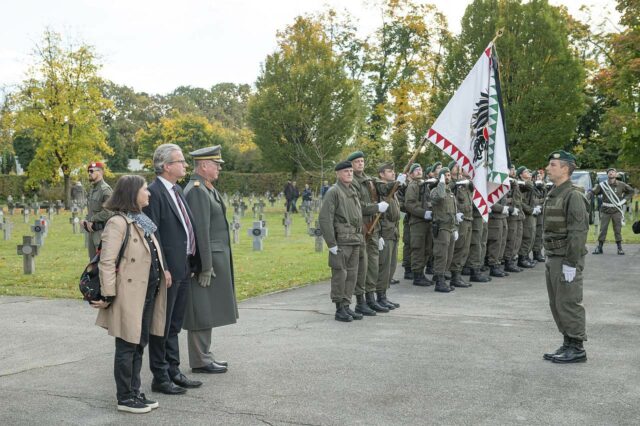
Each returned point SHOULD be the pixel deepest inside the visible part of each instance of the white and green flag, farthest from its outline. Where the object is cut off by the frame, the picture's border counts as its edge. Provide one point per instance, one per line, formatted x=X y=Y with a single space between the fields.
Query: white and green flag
x=471 y=130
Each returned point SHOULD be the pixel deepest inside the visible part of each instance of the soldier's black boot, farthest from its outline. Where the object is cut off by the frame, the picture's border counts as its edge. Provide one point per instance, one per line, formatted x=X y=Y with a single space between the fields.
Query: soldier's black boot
x=466 y=270
x=538 y=256
x=381 y=298
x=598 y=250
x=447 y=275
x=389 y=302
x=441 y=284
x=371 y=302
x=620 y=251
x=524 y=262
x=408 y=273
x=510 y=266
x=496 y=271
x=457 y=281
x=362 y=307
x=341 y=314
x=421 y=280
x=574 y=353
x=354 y=315
x=477 y=277
x=429 y=269
x=549 y=355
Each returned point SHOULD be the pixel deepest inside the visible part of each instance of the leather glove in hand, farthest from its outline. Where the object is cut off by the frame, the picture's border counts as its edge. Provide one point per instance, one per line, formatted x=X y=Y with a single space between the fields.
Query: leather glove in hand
x=428 y=215
x=333 y=250
x=204 y=278
x=380 y=244
x=383 y=206
x=569 y=273
x=402 y=178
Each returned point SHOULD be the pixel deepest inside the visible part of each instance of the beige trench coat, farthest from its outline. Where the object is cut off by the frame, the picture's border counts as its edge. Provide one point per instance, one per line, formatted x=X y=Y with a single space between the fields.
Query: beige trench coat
x=123 y=318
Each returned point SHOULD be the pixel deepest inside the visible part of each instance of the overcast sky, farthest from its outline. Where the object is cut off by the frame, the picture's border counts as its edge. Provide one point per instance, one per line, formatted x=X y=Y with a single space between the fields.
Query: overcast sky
x=157 y=45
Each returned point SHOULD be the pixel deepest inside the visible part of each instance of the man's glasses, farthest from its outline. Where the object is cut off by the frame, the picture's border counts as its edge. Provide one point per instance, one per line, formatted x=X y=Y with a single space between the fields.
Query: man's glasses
x=178 y=161
x=92 y=170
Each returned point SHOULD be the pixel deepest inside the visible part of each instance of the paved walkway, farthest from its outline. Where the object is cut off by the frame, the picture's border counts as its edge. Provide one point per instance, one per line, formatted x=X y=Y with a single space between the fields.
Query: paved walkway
x=473 y=357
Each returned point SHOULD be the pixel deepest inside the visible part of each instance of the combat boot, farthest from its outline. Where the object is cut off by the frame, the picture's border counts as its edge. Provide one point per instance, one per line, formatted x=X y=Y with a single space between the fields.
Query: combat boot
x=466 y=270
x=362 y=307
x=477 y=277
x=421 y=280
x=408 y=273
x=549 y=355
x=354 y=315
x=510 y=266
x=524 y=262
x=574 y=353
x=447 y=275
x=598 y=250
x=381 y=298
x=341 y=314
x=457 y=281
x=496 y=271
x=441 y=284
x=389 y=302
x=620 y=251
x=538 y=256
x=371 y=302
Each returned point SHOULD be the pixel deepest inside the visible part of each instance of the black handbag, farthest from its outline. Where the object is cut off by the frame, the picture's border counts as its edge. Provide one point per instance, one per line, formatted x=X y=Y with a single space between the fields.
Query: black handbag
x=90 y=278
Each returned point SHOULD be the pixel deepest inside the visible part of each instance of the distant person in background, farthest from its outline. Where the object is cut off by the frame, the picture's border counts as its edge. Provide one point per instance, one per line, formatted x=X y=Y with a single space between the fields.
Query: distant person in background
x=307 y=197
x=324 y=189
x=291 y=194
x=97 y=215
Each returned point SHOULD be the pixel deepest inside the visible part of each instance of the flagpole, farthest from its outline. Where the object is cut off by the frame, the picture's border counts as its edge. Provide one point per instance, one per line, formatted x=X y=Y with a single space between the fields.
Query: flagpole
x=498 y=35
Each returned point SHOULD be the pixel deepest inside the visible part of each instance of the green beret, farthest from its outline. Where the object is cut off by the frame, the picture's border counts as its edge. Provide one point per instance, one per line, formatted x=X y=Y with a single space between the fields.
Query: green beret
x=428 y=170
x=443 y=171
x=385 y=166
x=413 y=167
x=343 y=165
x=435 y=165
x=452 y=164
x=534 y=174
x=355 y=155
x=520 y=169
x=562 y=155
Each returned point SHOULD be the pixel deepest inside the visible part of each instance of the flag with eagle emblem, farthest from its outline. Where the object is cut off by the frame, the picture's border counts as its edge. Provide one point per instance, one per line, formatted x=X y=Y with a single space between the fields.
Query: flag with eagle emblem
x=471 y=130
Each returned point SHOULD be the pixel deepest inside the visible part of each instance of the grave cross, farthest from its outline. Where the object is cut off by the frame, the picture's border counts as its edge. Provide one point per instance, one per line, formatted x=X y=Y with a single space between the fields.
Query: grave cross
x=25 y=213
x=235 y=228
x=38 y=228
x=287 y=221
x=317 y=233
x=6 y=229
x=308 y=217
x=74 y=220
x=11 y=204
x=243 y=207
x=28 y=250
x=258 y=233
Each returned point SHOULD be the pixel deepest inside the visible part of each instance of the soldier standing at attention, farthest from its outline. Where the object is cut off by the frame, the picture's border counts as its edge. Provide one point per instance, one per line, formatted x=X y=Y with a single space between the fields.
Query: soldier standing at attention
x=417 y=203
x=96 y=214
x=566 y=224
x=462 y=189
x=406 y=230
x=514 y=224
x=497 y=237
x=445 y=232
x=615 y=194
x=530 y=210
x=340 y=220
x=540 y=193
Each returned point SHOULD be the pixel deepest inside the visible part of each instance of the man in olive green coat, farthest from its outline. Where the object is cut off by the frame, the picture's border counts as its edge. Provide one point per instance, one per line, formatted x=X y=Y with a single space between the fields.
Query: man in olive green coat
x=540 y=193
x=566 y=224
x=97 y=215
x=531 y=210
x=497 y=237
x=514 y=224
x=445 y=231
x=340 y=220
x=211 y=298
x=463 y=191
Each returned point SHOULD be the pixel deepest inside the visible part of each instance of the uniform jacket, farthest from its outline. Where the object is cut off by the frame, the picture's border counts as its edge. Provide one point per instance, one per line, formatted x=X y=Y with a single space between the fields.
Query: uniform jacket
x=340 y=217
x=123 y=318
x=389 y=220
x=621 y=189
x=464 y=198
x=99 y=194
x=361 y=183
x=444 y=207
x=417 y=200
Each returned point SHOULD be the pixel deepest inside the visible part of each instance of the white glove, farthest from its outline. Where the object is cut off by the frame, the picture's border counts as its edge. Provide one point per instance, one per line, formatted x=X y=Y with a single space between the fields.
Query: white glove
x=462 y=182
x=622 y=202
x=459 y=217
x=442 y=178
x=383 y=206
x=515 y=212
x=521 y=182
x=204 y=278
x=569 y=273
x=402 y=178
x=431 y=180
x=428 y=215
x=333 y=250
x=537 y=210
x=381 y=244
x=505 y=210
x=455 y=235
x=539 y=182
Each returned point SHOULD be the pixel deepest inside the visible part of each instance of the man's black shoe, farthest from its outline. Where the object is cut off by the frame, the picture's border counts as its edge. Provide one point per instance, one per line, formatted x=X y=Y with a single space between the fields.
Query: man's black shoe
x=354 y=315
x=133 y=405
x=210 y=369
x=565 y=345
x=598 y=249
x=408 y=274
x=477 y=277
x=389 y=302
x=222 y=363
x=183 y=381
x=167 y=388
x=148 y=402
x=496 y=271
x=466 y=270
x=363 y=308
x=371 y=302
x=571 y=355
x=382 y=301
x=441 y=285
x=620 y=251
x=420 y=280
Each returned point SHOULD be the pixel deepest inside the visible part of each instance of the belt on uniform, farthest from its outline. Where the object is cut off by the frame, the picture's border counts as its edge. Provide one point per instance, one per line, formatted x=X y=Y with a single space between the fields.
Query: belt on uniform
x=554 y=244
x=608 y=205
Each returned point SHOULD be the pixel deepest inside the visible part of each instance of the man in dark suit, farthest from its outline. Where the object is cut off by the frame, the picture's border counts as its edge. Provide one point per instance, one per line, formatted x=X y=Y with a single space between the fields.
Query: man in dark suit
x=169 y=211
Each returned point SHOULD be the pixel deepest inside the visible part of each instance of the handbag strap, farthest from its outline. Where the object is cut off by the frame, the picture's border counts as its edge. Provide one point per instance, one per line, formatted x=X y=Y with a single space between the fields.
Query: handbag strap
x=124 y=242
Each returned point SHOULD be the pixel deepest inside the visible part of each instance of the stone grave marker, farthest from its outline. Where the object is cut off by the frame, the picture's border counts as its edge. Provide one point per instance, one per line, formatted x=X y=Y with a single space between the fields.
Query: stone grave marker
x=25 y=213
x=287 y=221
x=28 y=250
x=235 y=229
x=6 y=227
x=317 y=233
x=74 y=220
x=258 y=233
x=11 y=205
x=38 y=229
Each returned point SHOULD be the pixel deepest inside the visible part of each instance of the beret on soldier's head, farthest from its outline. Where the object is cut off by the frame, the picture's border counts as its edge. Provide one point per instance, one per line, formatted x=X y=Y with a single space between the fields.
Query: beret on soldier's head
x=413 y=167
x=562 y=155
x=452 y=164
x=343 y=165
x=435 y=165
x=520 y=170
x=443 y=171
x=96 y=165
x=428 y=170
x=388 y=165
x=534 y=174
x=355 y=155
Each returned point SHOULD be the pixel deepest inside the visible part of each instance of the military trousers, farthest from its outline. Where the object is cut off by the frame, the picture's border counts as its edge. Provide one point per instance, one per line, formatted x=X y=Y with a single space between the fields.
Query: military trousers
x=461 y=246
x=373 y=255
x=421 y=245
x=514 y=237
x=387 y=261
x=344 y=273
x=443 y=246
x=496 y=240
x=616 y=218
x=93 y=243
x=528 y=234
x=537 y=241
x=406 y=244
x=565 y=299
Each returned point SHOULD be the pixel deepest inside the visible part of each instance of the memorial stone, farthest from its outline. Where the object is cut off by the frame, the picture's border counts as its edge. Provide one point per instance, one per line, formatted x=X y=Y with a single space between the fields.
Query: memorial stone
x=38 y=230
x=258 y=233
x=28 y=250
x=317 y=233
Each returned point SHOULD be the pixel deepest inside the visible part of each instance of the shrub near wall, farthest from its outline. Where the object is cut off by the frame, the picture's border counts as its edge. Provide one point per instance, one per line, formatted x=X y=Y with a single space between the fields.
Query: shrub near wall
x=12 y=185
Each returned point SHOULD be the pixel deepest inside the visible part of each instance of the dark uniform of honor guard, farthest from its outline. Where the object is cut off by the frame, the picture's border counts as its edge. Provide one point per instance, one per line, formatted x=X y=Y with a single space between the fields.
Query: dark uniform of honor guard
x=97 y=215
x=389 y=220
x=168 y=209
x=530 y=210
x=211 y=299
x=406 y=230
x=445 y=231
x=540 y=193
x=478 y=247
x=340 y=220
x=463 y=191
x=566 y=224
x=417 y=203
x=514 y=224
x=368 y=263
x=615 y=194
x=497 y=237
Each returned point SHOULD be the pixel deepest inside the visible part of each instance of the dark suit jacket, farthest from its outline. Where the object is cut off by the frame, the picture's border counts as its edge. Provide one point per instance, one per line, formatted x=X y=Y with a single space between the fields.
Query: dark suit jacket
x=171 y=234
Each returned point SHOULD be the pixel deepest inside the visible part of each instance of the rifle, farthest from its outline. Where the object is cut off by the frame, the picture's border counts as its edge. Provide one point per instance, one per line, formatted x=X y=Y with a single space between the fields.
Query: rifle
x=371 y=227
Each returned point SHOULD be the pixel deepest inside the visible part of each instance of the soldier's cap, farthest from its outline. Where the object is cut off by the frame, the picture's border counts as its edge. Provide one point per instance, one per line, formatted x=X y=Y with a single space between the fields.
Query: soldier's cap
x=435 y=165
x=534 y=174
x=96 y=165
x=611 y=168
x=343 y=165
x=520 y=170
x=213 y=153
x=562 y=155
x=385 y=166
x=355 y=155
x=413 y=167
x=428 y=170
x=443 y=171
x=452 y=164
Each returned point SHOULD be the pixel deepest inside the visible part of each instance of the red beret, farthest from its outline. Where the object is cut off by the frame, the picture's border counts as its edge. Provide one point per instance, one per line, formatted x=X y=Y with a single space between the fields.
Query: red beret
x=96 y=165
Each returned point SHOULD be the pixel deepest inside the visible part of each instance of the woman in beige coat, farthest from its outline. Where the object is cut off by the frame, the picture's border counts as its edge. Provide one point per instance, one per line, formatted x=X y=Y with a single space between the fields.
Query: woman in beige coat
x=134 y=294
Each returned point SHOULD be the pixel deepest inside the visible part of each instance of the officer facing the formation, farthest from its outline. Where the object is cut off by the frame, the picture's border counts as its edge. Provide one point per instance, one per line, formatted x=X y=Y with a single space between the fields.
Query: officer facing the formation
x=340 y=220
x=615 y=194
x=566 y=224
x=463 y=191
x=96 y=214
x=445 y=232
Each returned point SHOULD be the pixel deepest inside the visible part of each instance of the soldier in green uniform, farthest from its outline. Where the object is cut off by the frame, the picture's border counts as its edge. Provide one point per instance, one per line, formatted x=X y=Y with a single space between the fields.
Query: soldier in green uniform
x=566 y=224
x=497 y=237
x=477 y=248
x=340 y=220
x=540 y=193
x=615 y=194
x=514 y=224
x=463 y=191
x=373 y=243
x=530 y=210
x=406 y=231
x=97 y=215
x=445 y=231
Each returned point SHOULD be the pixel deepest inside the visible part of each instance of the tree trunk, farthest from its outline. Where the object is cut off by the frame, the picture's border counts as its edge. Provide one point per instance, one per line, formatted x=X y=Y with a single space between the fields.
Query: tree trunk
x=67 y=191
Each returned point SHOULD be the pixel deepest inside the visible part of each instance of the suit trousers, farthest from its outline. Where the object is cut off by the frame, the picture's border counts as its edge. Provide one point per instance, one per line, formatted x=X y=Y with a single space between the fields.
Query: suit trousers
x=199 y=343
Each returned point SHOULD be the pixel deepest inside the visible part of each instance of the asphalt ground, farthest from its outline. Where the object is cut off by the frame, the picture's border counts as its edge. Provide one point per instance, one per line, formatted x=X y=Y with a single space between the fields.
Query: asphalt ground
x=472 y=357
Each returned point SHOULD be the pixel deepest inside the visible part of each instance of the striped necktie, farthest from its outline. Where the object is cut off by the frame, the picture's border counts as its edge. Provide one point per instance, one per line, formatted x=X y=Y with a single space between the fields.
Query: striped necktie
x=187 y=222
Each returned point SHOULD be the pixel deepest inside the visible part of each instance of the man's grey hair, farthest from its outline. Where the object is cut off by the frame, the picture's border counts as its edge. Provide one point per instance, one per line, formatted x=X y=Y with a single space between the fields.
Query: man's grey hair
x=570 y=165
x=162 y=156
